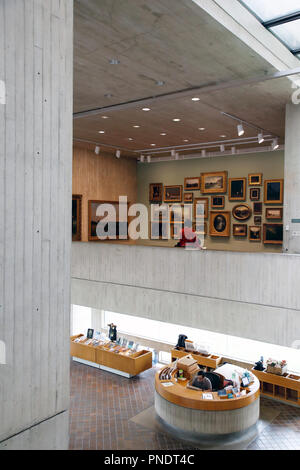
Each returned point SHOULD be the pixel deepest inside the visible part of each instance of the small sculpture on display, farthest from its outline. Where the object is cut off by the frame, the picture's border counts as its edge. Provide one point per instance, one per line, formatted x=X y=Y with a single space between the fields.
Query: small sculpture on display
x=112 y=334
x=259 y=365
x=181 y=341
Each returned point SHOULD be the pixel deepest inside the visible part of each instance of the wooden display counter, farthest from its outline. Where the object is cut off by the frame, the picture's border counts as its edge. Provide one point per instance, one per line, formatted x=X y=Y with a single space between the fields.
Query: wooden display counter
x=210 y=361
x=99 y=357
x=186 y=411
x=280 y=387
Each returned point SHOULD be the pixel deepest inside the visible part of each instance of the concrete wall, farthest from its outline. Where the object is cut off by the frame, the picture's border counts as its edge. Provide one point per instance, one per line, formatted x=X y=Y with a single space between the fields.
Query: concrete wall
x=270 y=164
x=36 y=63
x=251 y=295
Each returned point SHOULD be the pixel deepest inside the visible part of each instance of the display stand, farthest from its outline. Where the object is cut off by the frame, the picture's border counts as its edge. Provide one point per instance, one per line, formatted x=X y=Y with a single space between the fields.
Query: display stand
x=284 y=387
x=211 y=361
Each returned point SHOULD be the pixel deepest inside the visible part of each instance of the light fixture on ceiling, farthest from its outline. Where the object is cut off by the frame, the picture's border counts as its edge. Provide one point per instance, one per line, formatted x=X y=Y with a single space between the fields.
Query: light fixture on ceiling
x=176 y=120
x=130 y=138
x=97 y=150
x=185 y=140
x=173 y=153
x=195 y=99
x=163 y=133
x=149 y=158
x=101 y=132
x=176 y=156
x=136 y=126
x=233 y=150
x=275 y=144
x=222 y=148
x=203 y=153
x=104 y=117
x=142 y=158
x=118 y=154
x=160 y=83
x=241 y=130
x=153 y=145
x=201 y=128
x=114 y=61
x=223 y=136
x=260 y=138
x=146 y=109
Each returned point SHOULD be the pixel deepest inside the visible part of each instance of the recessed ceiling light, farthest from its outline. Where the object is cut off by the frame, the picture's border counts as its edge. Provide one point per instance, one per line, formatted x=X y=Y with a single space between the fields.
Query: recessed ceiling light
x=136 y=127
x=195 y=99
x=223 y=136
x=104 y=117
x=185 y=140
x=176 y=120
x=101 y=132
x=201 y=128
x=163 y=133
x=146 y=109
x=114 y=61
x=130 y=138
x=153 y=145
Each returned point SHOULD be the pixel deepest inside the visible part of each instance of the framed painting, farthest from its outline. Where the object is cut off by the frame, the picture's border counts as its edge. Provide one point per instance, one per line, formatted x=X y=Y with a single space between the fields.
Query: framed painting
x=76 y=217
x=257 y=219
x=255 y=194
x=255 y=180
x=242 y=212
x=240 y=230
x=192 y=184
x=155 y=192
x=201 y=207
x=273 y=234
x=274 y=213
x=255 y=234
x=188 y=197
x=173 y=193
x=113 y=228
x=217 y=202
x=237 y=189
x=257 y=208
x=273 y=191
x=219 y=224
x=214 y=183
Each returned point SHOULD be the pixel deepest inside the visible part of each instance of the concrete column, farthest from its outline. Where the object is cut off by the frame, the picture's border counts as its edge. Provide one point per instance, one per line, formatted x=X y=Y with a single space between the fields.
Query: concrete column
x=36 y=67
x=292 y=180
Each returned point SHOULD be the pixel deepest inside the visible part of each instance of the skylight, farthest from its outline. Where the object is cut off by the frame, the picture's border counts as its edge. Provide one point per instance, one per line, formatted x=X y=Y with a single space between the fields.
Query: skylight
x=280 y=17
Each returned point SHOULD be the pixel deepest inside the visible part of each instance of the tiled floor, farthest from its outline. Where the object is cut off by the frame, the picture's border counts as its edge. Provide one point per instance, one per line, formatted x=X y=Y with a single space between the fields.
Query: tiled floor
x=102 y=405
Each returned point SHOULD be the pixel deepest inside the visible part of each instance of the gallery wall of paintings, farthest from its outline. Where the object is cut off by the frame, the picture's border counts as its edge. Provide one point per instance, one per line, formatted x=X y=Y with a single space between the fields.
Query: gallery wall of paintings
x=243 y=197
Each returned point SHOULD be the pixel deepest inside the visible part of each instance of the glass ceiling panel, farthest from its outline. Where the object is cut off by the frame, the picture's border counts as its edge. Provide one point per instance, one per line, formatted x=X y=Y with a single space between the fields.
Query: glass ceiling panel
x=289 y=33
x=268 y=10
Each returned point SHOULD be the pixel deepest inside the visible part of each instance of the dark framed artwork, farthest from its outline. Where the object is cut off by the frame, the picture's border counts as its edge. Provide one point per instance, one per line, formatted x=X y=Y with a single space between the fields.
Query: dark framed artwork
x=201 y=207
x=257 y=219
x=275 y=213
x=240 y=230
x=217 y=202
x=255 y=194
x=155 y=192
x=255 y=179
x=219 y=224
x=254 y=233
x=273 y=234
x=113 y=225
x=214 y=183
x=257 y=208
x=76 y=217
x=173 y=193
x=237 y=189
x=242 y=212
x=192 y=184
x=273 y=191
x=188 y=197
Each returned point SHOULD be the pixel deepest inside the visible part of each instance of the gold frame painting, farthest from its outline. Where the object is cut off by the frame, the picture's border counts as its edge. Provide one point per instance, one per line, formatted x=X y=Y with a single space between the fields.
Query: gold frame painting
x=224 y=216
x=237 y=233
x=240 y=218
x=178 y=199
x=206 y=206
x=269 y=216
x=217 y=206
x=255 y=229
x=158 y=195
x=215 y=186
x=269 y=240
x=241 y=197
x=269 y=196
x=196 y=187
x=255 y=179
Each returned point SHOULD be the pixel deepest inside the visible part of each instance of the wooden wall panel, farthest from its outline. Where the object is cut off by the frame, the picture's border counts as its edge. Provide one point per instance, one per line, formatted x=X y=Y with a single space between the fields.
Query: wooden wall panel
x=102 y=177
x=36 y=63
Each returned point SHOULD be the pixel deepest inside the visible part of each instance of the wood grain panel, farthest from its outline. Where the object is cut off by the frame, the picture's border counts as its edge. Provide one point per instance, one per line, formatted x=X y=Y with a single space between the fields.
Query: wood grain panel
x=102 y=177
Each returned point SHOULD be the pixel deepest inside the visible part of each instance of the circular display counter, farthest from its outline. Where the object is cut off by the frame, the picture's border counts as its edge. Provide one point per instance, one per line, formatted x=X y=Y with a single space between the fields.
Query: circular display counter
x=185 y=409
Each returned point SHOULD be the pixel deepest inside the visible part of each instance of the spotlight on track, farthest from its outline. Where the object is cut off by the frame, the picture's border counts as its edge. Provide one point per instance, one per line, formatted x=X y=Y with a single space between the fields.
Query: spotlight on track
x=275 y=144
x=233 y=150
x=222 y=148
x=260 y=138
x=176 y=156
x=203 y=153
x=97 y=150
x=173 y=153
x=241 y=130
x=118 y=154
x=149 y=158
x=142 y=158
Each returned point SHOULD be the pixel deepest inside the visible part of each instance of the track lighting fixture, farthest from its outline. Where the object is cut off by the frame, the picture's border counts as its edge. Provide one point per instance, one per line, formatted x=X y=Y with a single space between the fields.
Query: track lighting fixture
x=142 y=158
x=97 y=150
x=173 y=153
x=275 y=144
x=149 y=158
x=222 y=148
x=233 y=150
x=260 y=138
x=241 y=130
x=118 y=154
x=203 y=153
x=176 y=156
